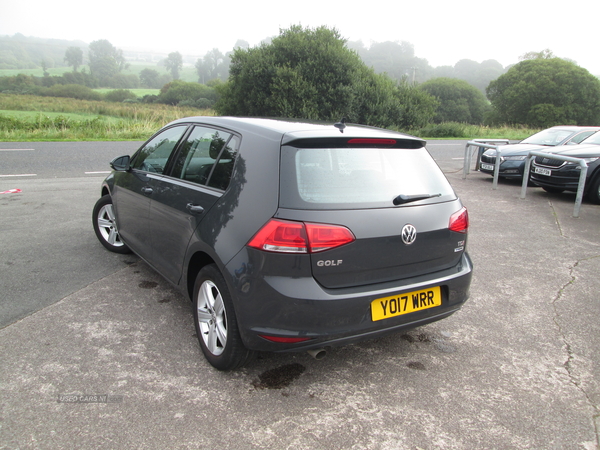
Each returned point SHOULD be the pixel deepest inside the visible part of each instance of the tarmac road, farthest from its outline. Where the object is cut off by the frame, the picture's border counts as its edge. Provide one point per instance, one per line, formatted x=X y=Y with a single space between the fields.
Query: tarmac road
x=111 y=360
x=47 y=249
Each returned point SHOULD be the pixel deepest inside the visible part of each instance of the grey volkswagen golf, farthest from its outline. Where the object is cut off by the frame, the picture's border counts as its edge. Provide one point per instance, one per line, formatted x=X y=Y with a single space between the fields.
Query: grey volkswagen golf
x=290 y=236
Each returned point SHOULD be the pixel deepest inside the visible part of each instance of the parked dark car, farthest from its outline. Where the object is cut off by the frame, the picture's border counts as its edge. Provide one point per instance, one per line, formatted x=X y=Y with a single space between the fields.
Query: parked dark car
x=513 y=156
x=290 y=236
x=555 y=175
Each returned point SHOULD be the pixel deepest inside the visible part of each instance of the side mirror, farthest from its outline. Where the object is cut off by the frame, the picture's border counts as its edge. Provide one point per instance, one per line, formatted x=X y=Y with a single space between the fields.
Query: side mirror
x=121 y=164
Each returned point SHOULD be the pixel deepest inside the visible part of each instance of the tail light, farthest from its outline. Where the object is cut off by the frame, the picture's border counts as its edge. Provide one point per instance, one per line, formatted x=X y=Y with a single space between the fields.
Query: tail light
x=459 y=221
x=284 y=340
x=285 y=236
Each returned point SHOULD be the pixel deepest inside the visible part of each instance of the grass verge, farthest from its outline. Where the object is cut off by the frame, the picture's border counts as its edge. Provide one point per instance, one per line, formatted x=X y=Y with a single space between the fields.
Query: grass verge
x=31 y=118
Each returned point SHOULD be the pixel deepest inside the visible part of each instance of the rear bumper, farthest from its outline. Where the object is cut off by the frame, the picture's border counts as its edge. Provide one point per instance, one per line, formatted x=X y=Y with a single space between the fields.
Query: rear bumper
x=295 y=307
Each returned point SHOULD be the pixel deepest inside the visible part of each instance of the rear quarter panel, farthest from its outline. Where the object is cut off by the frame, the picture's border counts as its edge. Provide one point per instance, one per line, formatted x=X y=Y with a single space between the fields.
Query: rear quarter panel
x=248 y=203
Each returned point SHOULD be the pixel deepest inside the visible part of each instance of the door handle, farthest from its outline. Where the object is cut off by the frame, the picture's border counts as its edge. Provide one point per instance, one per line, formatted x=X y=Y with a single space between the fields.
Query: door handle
x=147 y=190
x=197 y=209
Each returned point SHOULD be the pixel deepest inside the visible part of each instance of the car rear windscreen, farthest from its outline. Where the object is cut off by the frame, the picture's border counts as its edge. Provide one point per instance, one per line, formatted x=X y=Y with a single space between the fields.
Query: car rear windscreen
x=348 y=178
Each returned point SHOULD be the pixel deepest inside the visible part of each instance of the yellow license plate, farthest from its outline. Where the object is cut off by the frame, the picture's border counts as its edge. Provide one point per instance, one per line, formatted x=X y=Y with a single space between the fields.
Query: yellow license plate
x=396 y=305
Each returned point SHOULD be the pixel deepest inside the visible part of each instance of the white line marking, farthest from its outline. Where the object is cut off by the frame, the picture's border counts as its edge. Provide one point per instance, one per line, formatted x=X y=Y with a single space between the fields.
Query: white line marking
x=21 y=175
x=17 y=149
x=93 y=173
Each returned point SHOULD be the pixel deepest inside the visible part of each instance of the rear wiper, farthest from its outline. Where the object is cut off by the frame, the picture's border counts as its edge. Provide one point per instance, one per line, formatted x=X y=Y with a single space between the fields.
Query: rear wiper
x=402 y=199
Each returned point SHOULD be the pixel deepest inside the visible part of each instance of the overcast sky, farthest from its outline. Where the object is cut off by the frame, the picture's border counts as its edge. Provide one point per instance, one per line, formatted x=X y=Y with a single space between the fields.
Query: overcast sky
x=443 y=32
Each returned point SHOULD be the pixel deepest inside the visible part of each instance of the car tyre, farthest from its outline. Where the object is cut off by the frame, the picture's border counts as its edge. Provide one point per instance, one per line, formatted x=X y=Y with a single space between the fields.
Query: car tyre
x=105 y=226
x=594 y=193
x=216 y=322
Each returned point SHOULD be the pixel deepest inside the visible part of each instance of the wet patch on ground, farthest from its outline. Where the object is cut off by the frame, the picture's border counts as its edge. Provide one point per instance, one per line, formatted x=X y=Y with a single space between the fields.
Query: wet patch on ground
x=416 y=365
x=279 y=377
x=148 y=284
x=420 y=337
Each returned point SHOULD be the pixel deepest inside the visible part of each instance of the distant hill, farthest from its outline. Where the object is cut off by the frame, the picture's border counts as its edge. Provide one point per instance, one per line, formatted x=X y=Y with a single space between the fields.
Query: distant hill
x=22 y=52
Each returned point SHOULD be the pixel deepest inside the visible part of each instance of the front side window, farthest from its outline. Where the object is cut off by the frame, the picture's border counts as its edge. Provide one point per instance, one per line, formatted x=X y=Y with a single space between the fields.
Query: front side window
x=207 y=157
x=154 y=155
x=345 y=178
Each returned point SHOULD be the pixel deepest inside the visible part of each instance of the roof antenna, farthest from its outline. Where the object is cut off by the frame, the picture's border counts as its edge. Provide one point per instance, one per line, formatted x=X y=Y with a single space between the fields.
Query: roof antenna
x=341 y=124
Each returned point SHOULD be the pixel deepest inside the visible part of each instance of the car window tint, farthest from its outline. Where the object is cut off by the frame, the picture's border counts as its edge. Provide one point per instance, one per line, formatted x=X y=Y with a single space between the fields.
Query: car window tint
x=342 y=178
x=198 y=155
x=154 y=155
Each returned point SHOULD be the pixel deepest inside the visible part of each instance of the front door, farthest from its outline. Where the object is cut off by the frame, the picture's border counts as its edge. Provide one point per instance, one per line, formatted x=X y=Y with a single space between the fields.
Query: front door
x=133 y=190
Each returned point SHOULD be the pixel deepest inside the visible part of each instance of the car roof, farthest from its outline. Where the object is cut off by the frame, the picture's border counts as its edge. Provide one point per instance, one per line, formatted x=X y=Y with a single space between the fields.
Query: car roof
x=291 y=129
x=574 y=127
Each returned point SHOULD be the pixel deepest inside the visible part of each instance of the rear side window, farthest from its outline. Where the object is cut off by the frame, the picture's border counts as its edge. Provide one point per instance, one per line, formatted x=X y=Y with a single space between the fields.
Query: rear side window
x=347 y=178
x=580 y=137
x=593 y=139
x=207 y=157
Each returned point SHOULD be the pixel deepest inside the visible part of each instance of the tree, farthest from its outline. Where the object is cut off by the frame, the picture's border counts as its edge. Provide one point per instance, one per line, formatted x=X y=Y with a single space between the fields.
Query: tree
x=459 y=100
x=397 y=60
x=74 y=57
x=213 y=65
x=150 y=78
x=544 y=92
x=105 y=60
x=241 y=43
x=478 y=74
x=544 y=54
x=174 y=63
x=193 y=94
x=44 y=65
x=311 y=74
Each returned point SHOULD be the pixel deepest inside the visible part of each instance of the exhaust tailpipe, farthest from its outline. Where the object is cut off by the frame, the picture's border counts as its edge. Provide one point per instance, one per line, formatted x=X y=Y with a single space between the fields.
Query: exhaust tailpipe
x=317 y=353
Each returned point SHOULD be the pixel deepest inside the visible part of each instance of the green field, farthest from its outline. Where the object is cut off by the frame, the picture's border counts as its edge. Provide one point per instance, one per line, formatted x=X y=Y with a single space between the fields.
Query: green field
x=39 y=72
x=29 y=118
x=33 y=116
x=187 y=73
